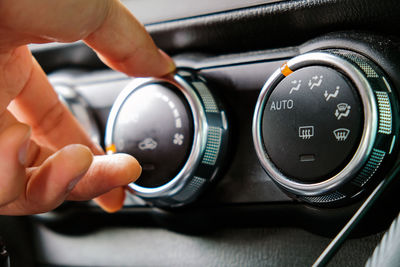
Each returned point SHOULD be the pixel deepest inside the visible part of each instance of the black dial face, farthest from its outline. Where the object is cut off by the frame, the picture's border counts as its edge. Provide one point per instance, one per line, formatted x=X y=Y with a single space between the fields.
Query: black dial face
x=312 y=124
x=155 y=125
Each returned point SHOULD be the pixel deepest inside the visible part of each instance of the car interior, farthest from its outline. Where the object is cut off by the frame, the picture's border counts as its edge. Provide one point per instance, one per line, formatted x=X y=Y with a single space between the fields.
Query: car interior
x=278 y=133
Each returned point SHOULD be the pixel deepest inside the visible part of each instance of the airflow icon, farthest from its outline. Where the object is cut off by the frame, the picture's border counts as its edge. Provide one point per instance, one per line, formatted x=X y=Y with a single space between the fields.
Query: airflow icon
x=341 y=134
x=178 y=139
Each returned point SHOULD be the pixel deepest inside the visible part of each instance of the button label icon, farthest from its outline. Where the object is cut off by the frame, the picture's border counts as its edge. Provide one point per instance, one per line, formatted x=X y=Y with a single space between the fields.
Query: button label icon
x=282 y=104
x=343 y=110
x=148 y=144
x=178 y=139
x=178 y=123
x=296 y=86
x=306 y=132
x=334 y=95
x=315 y=81
x=341 y=134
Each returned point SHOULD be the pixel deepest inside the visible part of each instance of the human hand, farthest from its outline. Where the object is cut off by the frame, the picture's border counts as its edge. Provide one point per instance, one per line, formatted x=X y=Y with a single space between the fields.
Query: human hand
x=39 y=169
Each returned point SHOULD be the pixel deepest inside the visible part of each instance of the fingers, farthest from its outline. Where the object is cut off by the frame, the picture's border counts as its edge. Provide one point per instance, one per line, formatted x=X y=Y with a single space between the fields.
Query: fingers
x=42 y=188
x=14 y=142
x=105 y=25
x=121 y=41
x=39 y=106
x=54 y=126
x=108 y=27
x=111 y=171
x=106 y=173
x=47 y=20
x=51 y=183
x=113 y=200
x=123 y=44
x=71 y=173
x=15 y=71
x=48 y=185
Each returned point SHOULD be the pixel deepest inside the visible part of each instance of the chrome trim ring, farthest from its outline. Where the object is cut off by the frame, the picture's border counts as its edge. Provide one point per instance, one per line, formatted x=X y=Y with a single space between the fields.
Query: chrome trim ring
x=369 y=128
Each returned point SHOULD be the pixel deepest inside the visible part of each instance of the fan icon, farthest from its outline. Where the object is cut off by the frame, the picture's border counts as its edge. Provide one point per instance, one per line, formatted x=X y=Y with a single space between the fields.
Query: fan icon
x=178 y=139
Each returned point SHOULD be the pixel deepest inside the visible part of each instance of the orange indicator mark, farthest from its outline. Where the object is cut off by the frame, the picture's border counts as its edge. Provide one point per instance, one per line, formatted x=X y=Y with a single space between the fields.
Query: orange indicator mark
x=285 y=70
x=111 y=149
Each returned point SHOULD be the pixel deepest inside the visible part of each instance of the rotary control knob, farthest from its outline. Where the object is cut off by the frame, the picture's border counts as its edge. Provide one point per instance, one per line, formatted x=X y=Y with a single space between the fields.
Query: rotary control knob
x=324 y=125
x=176 y=129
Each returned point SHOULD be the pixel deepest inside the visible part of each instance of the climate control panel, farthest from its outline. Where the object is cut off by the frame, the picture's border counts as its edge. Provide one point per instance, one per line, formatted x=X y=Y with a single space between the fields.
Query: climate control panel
x=319 y=126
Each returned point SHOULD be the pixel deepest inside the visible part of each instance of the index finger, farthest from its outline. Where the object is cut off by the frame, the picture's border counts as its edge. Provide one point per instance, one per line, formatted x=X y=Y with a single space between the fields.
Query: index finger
x=105 y=25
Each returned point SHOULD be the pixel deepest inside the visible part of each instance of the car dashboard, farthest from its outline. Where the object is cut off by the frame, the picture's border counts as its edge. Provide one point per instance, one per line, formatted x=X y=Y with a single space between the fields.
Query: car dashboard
x=280 y=120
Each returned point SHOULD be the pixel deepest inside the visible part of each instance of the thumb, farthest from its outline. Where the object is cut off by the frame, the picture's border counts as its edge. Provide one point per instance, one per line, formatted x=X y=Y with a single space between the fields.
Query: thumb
x=51 y=183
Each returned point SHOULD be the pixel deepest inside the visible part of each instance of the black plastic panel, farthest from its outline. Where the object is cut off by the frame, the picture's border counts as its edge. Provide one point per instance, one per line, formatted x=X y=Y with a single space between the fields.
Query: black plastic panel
x=184 y=8
x=236 y=79
x=226 y=247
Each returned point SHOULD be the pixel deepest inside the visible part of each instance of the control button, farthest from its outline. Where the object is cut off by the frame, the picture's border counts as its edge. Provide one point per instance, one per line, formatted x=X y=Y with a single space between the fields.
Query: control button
x=296 y=86
x=342 y=111
x=341 y=134
x=322 y=118
x=306 y=132
x=331 y=95
x=315 y=81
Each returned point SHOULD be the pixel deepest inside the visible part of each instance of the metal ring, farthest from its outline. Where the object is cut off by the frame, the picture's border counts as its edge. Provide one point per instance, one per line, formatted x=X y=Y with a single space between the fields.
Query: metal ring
x=369 y=129
x=199 y=137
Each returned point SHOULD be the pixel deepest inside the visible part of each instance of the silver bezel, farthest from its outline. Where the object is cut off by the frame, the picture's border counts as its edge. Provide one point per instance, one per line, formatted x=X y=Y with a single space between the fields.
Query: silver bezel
x=199 y=136
x=369 y=128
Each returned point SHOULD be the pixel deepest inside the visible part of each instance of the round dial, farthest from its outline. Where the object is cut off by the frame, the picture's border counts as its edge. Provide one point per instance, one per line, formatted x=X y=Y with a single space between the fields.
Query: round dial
x=323 y=125
x=177 y=131
x=319 y=128
x=155 y=125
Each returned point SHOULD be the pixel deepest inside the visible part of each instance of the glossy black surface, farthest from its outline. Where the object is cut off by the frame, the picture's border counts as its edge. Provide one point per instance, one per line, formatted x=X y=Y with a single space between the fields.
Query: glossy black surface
x=312 y=123
x=155 y=125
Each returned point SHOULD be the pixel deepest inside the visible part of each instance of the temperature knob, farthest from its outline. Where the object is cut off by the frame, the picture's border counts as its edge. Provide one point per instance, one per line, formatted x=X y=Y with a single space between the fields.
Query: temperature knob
x=323 y=125
x=176 y=129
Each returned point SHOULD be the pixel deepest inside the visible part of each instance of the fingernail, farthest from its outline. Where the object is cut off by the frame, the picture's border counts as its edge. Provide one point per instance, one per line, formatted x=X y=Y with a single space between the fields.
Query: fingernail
x=141 y=170
x=168 y=59
x=97 y=149
x=72 y=184
x=23 y=150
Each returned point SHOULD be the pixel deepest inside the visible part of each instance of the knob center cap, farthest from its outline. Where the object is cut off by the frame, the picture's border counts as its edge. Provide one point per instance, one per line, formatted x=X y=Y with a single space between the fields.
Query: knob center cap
x=155 y=125
x=312 y=124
